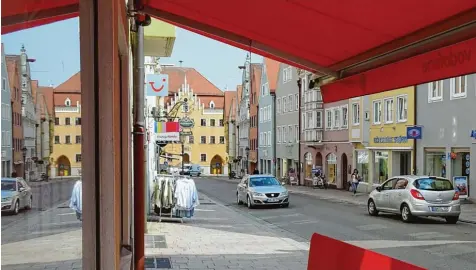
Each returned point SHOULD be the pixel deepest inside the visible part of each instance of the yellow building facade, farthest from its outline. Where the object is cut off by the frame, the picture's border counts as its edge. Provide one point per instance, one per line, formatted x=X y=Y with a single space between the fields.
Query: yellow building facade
x=66 y=158
x=390 y=153
x=206 y=146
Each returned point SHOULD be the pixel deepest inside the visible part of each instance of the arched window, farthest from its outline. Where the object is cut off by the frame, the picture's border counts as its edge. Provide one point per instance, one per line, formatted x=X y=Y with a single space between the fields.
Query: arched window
x=67 y=102
x=212 y=105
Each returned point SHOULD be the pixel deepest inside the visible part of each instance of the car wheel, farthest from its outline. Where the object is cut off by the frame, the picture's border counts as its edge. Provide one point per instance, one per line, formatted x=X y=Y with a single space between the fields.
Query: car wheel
x=238 y=201
x=16 y=208
x=30 y=203
x=452 y=220
x=406 y=213
x=372 y=208
x=248 y=202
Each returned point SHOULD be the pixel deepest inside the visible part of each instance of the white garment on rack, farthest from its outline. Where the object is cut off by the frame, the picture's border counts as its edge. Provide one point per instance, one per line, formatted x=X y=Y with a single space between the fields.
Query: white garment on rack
x=186 y=194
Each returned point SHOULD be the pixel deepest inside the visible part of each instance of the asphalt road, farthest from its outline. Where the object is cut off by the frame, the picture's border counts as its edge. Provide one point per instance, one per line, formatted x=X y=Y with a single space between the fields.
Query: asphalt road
x=45 y=196
x=428 y=243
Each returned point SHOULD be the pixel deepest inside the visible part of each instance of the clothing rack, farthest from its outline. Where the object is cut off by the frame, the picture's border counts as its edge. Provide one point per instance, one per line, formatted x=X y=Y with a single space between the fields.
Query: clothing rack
x=167 y=186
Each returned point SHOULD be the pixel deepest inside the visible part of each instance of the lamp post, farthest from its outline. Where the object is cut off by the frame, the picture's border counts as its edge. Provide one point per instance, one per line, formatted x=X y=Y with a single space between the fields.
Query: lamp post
x=23 y=150
x=247 y=150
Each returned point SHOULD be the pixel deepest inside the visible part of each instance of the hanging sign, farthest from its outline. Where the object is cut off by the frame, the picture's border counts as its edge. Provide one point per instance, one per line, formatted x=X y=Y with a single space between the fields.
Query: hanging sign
x=157 y=85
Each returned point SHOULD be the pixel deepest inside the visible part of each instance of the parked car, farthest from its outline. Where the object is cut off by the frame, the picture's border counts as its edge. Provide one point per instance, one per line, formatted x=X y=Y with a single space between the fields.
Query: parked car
x=416 y=196
x=195 y=170
x=16 y=195
x=261 y=189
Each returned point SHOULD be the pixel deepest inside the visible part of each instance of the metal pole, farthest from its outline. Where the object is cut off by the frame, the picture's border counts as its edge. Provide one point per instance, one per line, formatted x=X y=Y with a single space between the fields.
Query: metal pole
x=139 y=147
x=183 y=150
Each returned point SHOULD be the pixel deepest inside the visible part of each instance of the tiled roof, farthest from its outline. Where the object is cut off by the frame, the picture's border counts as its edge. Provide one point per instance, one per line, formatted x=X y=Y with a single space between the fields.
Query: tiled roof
x=239 y=91
x=47 y=93
x=272 y=72
x=13 y=71
x=60 y=98
x=34 y=90
x=198 y=83
x=71 y=85
x=229 y=95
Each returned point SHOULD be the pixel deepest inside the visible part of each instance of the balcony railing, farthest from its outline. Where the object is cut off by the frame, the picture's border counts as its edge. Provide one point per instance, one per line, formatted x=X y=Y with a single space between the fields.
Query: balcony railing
x=66 y=109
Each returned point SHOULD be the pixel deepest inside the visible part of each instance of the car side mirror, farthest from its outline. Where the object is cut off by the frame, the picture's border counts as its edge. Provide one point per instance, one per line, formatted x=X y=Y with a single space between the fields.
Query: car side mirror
x=22 y=189
x=379 y=188
x=283 y=183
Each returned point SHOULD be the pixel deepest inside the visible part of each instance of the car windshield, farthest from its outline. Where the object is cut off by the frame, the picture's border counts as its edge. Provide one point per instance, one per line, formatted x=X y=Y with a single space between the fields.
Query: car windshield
x=8 y=185
x=437 y=184
x=263 y=181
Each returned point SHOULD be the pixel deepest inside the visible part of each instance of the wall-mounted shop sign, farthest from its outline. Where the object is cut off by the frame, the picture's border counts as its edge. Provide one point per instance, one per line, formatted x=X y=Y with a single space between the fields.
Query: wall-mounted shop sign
x=186 y=122
x=414 y=132
x=389 y=139
x=473 y=133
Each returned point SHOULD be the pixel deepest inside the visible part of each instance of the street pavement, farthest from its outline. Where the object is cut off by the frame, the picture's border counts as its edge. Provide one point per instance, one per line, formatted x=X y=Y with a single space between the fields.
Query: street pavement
x=428 y=243
x=224 y=235
x=45 y=196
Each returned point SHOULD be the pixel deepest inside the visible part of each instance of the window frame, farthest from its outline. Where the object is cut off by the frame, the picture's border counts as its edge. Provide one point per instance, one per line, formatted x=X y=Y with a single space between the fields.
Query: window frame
x=203 y=159
x=397 y=118
x=385 y=110
x=329 y=119
x=375 y=102
x=459 y=80
x=439 y=87
x=344 y=116
x=355 y=113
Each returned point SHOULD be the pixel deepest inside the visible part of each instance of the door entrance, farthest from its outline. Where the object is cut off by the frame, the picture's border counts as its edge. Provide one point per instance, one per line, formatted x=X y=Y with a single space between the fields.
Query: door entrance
x=345 y=183
x=405 y=163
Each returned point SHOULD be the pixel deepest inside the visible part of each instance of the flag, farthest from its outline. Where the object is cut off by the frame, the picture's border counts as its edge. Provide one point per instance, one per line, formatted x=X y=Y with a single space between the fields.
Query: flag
x=164 y=127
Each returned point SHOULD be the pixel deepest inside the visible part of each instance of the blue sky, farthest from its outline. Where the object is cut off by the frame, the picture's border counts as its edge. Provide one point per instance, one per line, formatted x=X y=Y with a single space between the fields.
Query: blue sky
x=56 y=50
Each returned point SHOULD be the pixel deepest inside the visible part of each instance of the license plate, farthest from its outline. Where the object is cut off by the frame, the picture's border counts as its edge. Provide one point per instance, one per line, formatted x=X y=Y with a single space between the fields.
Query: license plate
x=273 y=200
x=439 y=209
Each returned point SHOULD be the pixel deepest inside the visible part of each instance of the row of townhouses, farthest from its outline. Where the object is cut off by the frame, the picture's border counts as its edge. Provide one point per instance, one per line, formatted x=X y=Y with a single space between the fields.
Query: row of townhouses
x=296 y=130
x=41 y=126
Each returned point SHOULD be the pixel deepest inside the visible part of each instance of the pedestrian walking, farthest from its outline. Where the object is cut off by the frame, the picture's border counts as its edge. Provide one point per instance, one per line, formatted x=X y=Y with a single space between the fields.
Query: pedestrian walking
x=76 y=202
x=355 y=178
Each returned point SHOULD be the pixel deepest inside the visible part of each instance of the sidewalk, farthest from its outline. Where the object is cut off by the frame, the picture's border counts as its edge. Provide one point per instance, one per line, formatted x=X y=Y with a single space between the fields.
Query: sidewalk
x=218 y=237
x=468 y=210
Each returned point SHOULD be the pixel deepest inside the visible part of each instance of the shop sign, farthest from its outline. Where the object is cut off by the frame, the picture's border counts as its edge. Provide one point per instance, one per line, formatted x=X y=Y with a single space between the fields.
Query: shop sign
x=186 y=122
x=389 y=139
x=414 y=132
x=473 y=133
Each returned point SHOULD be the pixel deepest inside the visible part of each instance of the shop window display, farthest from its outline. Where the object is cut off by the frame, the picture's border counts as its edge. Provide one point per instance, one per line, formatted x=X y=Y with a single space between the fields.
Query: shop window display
x=308 y=166
x=362 y=164
x=331 y=166
x=435 y=164
x=460 y=164
x=381 y=166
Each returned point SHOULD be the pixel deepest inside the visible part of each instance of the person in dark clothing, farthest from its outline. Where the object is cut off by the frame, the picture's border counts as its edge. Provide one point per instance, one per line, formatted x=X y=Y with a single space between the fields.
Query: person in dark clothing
x=14 y=175
x=256 y=171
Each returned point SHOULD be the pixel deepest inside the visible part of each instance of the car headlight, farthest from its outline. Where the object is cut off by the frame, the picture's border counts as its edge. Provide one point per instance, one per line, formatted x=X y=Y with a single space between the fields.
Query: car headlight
x=6 y=199
x=257 y=194
x=284 y=193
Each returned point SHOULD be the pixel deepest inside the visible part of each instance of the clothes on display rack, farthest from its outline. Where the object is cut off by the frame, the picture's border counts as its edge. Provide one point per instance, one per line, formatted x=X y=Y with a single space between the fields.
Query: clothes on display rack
x=175 y=195
x=186 y=196
x=164 y=192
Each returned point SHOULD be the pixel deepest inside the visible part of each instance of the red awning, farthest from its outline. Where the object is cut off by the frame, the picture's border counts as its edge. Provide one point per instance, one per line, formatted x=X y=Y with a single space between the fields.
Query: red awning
x=337 y=38
x=23 y=14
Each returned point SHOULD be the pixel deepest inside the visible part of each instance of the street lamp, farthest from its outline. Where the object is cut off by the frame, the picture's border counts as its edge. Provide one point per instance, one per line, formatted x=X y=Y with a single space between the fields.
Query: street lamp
x=23 y=150
x=247 y=150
